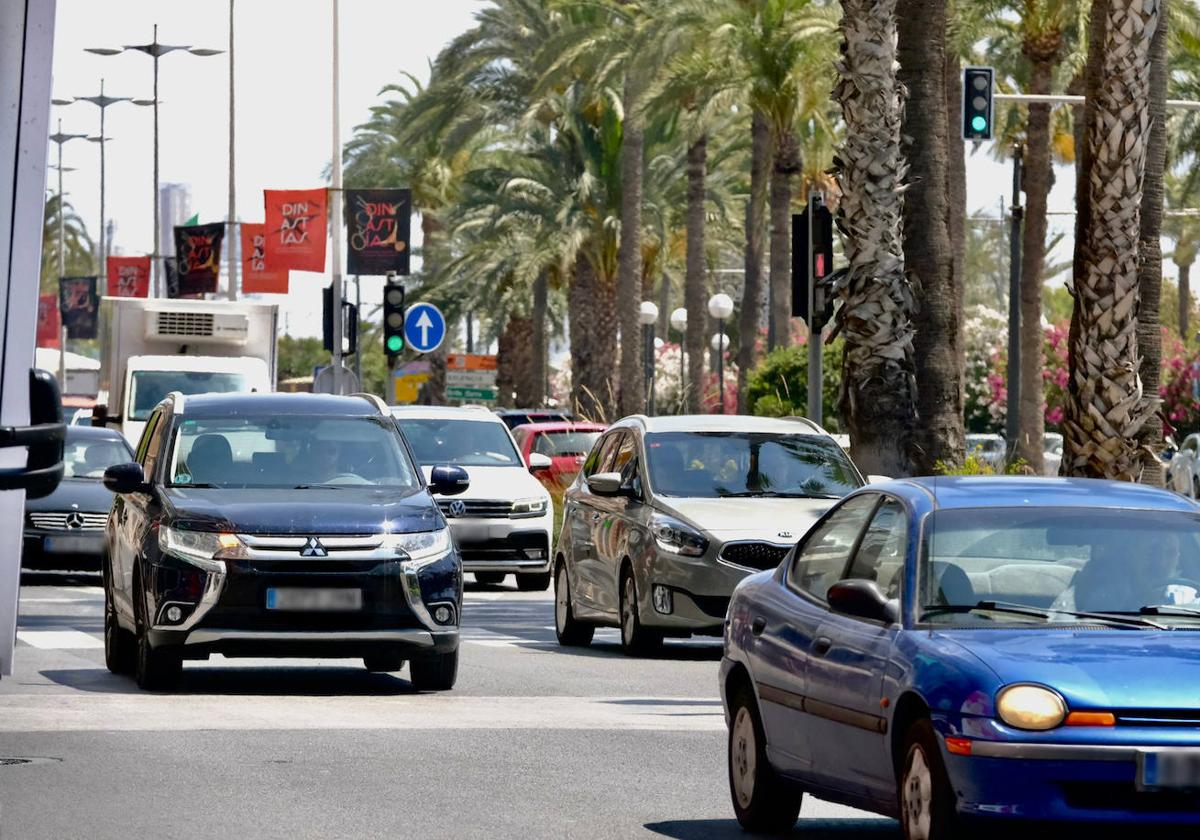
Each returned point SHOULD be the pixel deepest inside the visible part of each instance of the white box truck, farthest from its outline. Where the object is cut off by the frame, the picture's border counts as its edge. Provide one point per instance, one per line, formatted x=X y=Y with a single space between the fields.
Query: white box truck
x=156 y=346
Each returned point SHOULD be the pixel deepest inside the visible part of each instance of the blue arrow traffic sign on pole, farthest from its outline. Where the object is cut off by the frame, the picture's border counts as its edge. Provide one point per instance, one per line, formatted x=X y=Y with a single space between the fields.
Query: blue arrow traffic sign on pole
x=424 y=327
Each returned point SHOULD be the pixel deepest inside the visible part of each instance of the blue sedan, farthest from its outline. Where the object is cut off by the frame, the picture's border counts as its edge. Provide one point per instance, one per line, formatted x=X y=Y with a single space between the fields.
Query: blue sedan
x=946 y=649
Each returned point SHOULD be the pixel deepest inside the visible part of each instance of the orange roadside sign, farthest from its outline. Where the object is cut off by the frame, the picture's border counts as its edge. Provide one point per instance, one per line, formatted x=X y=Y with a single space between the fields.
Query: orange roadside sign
x=470 y=361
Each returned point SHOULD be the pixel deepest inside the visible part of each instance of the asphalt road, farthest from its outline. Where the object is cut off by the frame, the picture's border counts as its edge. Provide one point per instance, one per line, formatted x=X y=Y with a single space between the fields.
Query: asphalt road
x=535 y=740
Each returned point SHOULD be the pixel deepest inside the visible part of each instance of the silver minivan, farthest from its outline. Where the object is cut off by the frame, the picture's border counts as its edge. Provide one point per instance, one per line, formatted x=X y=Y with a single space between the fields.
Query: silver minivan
x=670 y=513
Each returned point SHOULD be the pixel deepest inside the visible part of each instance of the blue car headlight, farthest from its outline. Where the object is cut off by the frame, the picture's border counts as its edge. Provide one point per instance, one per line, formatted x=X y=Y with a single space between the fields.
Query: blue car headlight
x=1031 y=707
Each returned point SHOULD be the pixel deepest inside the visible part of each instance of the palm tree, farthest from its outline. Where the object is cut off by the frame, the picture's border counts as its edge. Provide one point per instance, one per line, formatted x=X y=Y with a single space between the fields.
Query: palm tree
x=77 y=253
x=1185 y=231
x=1106 y=411
x=878 y=383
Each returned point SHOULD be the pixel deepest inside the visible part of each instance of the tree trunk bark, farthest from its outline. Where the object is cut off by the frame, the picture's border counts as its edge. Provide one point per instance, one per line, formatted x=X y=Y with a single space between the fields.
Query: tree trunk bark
x=514 y=362
x=787 y=164
x=534 y=391
x=750 y=316
x=631 y=396
x=956 y=156
x=878 y=384
x=1185 y=301
x=694 y=287
x=1149 y=322
x=928 y=253
x=1036 y=179
x=593 y=299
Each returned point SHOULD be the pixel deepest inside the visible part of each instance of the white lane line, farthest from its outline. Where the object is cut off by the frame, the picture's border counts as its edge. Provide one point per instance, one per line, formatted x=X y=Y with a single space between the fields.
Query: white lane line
x=86 y=711
x=59 y=639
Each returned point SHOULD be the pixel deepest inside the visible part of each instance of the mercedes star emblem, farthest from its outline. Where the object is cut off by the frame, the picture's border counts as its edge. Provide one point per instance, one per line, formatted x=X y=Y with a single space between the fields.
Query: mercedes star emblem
x=313 y=548
x=458 y=507
x=74 y=519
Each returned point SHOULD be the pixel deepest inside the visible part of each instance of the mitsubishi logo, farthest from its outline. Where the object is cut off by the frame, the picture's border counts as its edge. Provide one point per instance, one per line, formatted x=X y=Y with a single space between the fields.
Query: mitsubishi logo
x=313 y=548
x=74 y=519
x=458 y=508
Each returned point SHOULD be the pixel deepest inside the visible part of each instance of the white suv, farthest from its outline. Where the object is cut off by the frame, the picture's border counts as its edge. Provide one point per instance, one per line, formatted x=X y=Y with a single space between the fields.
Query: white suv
x=503 y=523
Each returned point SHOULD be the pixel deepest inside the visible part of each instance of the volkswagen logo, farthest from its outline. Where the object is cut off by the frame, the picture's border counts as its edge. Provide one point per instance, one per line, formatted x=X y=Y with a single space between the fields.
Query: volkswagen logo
x=313 y=548
x=458 y=508
x=74 y=519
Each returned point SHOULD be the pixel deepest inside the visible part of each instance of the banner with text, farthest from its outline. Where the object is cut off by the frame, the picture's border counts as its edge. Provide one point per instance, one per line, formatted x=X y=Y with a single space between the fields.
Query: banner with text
x=79 y=303
x=377 y=224
x=128 y=276
x=198 y=258
x=48 y=326
x=295 y=229
x=257 y=278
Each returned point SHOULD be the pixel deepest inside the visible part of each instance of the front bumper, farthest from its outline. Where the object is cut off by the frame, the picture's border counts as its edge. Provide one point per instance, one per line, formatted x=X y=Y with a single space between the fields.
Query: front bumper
x=700 y=589
x=62 y=549
x=504 y=545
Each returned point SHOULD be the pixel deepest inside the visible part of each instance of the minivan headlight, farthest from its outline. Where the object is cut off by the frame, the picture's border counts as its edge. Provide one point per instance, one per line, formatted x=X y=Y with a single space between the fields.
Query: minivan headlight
x=677 y=538
x=1031 y=707
x=205 y=549
x=423 y=547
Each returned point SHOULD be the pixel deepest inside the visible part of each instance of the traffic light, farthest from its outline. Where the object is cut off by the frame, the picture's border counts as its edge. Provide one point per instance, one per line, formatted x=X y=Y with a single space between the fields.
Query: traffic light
x=977 y=103
x=821 y=260
x=349 y=323
x=393 y=318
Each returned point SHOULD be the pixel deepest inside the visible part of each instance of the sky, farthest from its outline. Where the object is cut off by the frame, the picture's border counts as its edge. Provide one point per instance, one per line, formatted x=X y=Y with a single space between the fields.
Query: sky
x=283 y=104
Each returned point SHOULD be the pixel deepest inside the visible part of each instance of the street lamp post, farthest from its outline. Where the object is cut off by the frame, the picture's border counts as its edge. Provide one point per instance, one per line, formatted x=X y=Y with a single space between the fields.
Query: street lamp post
x=720 y=306
x=156 y=51
x=647 y=316
x=59 y=138
x=679 y=324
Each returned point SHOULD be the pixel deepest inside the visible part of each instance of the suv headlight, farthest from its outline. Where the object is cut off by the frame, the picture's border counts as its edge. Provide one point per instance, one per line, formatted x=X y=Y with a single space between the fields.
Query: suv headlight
x=205 y=549
x=422 y=548
x=1031 y=707
x=529 y=507
x=676 y=537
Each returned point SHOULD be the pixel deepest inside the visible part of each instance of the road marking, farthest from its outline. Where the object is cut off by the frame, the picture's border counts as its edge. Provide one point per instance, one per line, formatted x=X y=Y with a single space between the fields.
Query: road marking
x=86 y=711
x=59 y=639
x=58 y=601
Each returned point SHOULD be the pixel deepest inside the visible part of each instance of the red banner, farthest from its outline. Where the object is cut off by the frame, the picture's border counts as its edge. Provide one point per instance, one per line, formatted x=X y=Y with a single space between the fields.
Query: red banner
x=49 y=327
x=295 y=229
x=257 y=278
x=129 y=277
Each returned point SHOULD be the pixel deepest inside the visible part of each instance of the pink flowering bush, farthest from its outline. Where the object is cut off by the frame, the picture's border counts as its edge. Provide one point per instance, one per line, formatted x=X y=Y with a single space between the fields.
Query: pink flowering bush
x=1180 y=388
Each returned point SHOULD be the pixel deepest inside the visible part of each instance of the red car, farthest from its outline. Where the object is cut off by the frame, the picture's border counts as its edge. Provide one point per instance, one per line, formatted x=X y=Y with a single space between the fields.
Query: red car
x=565 y=444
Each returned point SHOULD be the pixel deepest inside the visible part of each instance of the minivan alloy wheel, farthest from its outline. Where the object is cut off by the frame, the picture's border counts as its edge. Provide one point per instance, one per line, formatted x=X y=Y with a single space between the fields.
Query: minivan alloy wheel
x=570 y=632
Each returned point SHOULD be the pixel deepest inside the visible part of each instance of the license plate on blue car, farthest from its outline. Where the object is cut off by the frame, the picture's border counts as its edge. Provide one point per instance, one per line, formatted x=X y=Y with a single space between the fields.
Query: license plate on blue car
x=1168 y=770
x=315 y=600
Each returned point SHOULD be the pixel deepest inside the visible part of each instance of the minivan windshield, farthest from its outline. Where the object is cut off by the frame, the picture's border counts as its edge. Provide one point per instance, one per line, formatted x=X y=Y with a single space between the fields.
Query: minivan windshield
x=463 y=443
x=147 y=388
x=295 y=451
x=720 y=464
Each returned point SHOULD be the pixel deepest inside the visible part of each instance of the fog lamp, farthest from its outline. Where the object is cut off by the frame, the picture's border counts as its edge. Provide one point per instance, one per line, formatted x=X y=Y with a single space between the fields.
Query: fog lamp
x=663 y=602
x=442 y=615
x=174 y=614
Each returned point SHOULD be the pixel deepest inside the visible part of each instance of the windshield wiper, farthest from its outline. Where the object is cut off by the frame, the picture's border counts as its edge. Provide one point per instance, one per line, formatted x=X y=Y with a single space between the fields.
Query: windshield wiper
x=192 y=485
x=320 y=486
x=776 y=494
x=1037 y=612
x=1167 y=609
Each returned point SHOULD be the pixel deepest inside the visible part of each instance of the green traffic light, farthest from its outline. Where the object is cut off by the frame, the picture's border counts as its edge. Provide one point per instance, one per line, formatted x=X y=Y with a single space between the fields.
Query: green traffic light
x=395 y=343
x=979 y=124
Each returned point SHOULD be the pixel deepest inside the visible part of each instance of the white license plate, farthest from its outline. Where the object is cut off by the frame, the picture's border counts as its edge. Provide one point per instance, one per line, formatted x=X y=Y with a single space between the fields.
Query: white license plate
x=315 y=600
x=1168 y=769
x=72 y=545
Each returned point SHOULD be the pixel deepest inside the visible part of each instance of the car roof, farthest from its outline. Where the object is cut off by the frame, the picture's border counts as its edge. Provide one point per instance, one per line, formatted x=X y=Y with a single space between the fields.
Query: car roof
x=445 y=412
x=223 y=405
x=533 y=412
x=93 y=433
x=724 y=423
x=560 y=426
x=960 y=492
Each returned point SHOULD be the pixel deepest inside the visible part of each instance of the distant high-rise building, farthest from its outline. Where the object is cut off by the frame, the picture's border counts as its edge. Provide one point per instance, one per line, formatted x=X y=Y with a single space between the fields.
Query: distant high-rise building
x=174 y=208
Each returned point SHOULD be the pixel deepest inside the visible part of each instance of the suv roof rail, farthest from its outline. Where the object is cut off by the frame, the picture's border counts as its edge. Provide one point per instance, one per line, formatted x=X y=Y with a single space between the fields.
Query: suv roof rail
x=816 y=427
x=374 y=400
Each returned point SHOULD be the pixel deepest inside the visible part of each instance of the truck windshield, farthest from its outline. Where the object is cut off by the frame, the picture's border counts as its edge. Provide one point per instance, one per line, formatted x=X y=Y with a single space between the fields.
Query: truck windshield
x=147 y=388
x=290 y=452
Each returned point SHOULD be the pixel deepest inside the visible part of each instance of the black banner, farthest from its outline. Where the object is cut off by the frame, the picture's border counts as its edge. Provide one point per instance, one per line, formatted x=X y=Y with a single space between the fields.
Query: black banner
x=79 y=302
x=171 y=277
x=198 y=258
x=378 y=227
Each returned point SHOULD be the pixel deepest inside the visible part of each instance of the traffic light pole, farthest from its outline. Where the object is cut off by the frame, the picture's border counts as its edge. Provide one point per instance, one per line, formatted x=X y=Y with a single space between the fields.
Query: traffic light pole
x=335 y=206
x=816 y=307
x=1013 y=420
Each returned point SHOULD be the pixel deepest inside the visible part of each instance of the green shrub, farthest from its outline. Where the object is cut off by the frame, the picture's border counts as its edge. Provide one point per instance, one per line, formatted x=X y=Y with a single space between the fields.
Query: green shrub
x=974 y=464
x=778 y=386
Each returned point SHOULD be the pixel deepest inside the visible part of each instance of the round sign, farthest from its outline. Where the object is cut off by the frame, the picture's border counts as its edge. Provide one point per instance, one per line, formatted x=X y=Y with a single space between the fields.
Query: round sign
x=424 y=327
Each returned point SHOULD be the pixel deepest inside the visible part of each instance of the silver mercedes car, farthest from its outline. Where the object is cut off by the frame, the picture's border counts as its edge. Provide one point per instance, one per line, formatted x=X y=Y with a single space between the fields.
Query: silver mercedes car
x=670 y=513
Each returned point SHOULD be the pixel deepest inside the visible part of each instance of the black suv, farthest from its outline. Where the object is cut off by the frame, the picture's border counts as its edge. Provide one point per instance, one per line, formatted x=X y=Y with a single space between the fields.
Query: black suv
x=279 y=525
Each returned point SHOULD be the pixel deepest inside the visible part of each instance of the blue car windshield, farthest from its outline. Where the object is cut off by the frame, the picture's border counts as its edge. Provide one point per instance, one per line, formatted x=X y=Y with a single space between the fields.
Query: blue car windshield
x=1059 y=561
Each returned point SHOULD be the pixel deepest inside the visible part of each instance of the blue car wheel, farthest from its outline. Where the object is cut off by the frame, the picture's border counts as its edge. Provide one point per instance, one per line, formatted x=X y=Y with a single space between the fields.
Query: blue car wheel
x=927 y=809
x=762 y=799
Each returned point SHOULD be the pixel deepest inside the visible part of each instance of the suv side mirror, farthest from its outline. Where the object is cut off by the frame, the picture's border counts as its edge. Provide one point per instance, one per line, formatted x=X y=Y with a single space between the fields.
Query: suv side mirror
x=43 y=436
x=125 y=478
x=862 y=599
x=539 y=462
x=605 y=484
x=448 y=480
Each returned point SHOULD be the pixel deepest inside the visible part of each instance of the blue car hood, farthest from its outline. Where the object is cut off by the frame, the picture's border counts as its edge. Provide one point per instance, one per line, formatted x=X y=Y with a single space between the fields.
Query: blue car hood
x=1101 y=669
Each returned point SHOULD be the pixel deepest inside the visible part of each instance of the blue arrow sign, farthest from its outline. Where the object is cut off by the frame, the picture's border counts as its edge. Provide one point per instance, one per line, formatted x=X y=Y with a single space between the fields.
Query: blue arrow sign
x=424 y=327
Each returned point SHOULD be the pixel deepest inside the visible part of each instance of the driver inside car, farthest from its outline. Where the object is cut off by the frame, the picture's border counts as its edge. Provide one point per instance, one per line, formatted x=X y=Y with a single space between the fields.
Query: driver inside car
x=1124 y=576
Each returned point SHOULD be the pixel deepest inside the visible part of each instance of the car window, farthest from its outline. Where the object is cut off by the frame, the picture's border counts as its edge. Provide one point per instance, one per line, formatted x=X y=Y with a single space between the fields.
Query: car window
x=826 y=552
x=625 y=454
x=880 y=556
x=144 y=440
x=454 y=440
x=559 y=444
x=89 y=457
x=153 y=447
x=602 y=454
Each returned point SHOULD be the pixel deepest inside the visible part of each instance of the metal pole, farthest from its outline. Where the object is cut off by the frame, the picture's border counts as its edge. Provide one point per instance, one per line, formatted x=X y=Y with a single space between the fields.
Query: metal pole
x=335 y=217
x=62 y=269
x=648 y=365
x=156 y=252
x=357 y=343
x=815 y=310
x=721 y=360
x=682 y=372
x=102 y=269
x=470 y=334
x=1013 y=425
x=233 y=242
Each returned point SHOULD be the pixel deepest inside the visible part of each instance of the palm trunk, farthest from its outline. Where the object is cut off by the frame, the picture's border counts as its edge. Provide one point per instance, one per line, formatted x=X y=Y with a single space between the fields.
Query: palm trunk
x=928 y=252
x=1036 y=178
x=694 y=285
x=956 y=171
x=535 y=392
x=1106 y=412
x=632 y=397
x=751 y=314
x=593 y=298
x=514 y=361
x=1149 y=324
x=786 y=164
x=878 y=385
x=1185 y=300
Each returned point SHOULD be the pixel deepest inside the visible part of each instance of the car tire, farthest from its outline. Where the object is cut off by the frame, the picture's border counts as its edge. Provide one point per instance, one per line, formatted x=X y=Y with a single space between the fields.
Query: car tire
x=763 y=801
x=927 y=804
x=534 y=583
x=636 y=638
x=490 y=578
x=434 y=673
x=385 y=662
x=155 y=668
x=120 y=649
x=571 y=632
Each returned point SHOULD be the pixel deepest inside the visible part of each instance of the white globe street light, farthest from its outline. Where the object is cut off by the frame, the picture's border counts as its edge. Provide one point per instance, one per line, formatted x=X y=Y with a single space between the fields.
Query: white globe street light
x=679 y=319
x=720 y=306
x=647 y=313
x=648 y=317
x=719 y=342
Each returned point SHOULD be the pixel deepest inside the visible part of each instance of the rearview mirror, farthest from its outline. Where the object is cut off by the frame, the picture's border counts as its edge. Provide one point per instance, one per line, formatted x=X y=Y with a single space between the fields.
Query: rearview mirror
x=539 y=462
x=862 y=599
x=605 y=484
x=448 y=480
x=125 y=478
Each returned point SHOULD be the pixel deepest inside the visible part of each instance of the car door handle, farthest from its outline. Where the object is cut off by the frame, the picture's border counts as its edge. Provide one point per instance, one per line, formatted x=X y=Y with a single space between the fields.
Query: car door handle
x=822 y=645
x=758 y=626
x=595 y=517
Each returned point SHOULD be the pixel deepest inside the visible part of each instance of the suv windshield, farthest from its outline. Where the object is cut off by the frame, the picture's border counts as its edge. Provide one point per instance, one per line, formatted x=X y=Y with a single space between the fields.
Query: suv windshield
x=464 y=443
x=147 y=388
x=557 y=444
x=89 y=457
x=1058 y=561
x=289 y=451
x=715 y=464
